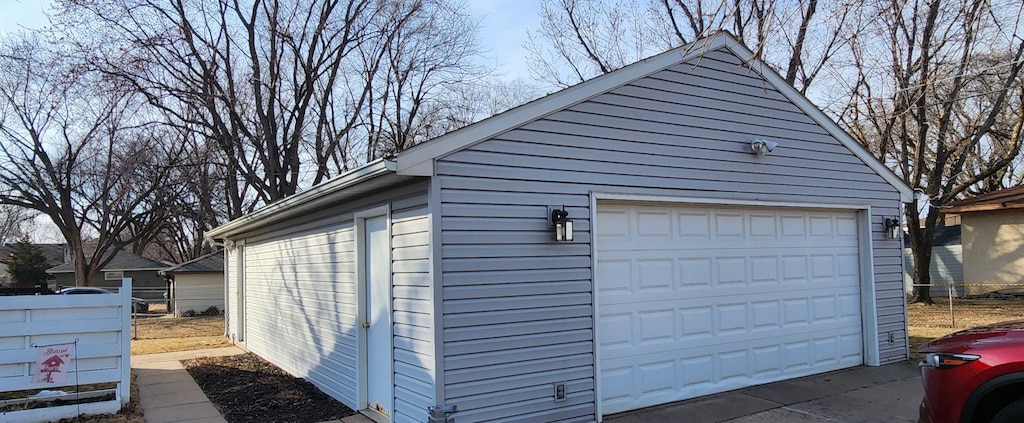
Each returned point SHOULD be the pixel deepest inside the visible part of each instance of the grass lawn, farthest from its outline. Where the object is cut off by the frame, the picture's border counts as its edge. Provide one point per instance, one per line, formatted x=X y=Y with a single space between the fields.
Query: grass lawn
x=927 y=322
x=152 y=335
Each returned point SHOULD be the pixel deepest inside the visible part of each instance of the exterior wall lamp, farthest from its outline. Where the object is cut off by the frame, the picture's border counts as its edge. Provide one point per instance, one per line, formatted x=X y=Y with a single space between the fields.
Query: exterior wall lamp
x=761 y=146
x=892 y=227
x=562 y=224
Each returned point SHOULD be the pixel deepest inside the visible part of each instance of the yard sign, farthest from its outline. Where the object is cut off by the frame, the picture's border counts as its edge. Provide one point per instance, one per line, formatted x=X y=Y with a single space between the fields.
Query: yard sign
x=52 y=363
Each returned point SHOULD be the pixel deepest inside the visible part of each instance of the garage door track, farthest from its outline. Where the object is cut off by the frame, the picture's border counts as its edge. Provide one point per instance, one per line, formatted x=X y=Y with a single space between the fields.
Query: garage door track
x=889 y=393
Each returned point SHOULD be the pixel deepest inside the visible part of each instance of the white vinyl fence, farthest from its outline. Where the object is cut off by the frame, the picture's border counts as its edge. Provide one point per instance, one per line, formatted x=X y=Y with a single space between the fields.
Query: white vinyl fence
x=97 y=325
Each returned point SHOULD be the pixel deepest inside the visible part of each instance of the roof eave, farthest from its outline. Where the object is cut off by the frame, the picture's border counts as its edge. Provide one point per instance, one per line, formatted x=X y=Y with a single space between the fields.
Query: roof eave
x=145 y=269
x=307 y=200
x=983 y=207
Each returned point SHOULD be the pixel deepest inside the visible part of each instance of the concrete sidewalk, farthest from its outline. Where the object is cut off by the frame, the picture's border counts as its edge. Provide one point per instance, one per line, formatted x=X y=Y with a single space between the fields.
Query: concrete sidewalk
x=167 y=393
x=889 y=393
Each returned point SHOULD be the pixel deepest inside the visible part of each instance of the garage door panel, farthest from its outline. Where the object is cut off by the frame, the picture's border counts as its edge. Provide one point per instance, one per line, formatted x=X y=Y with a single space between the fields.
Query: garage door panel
x=835 y=346
x=666 y=377
x=625 y=348
x=739 y=293
x=695 y=224
x=696 y=300
x=653 y=268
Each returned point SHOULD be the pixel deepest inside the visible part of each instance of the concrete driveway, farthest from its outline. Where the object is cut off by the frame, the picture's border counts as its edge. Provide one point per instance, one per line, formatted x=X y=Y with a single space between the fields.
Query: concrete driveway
x=889 y=393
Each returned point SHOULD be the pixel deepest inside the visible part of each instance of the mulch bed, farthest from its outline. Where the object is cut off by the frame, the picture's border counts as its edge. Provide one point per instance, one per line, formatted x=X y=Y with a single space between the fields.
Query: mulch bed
x=245 y=388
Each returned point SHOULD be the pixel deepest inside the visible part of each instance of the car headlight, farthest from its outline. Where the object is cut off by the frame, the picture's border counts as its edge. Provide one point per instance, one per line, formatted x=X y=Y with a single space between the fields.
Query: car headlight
x=947 y=360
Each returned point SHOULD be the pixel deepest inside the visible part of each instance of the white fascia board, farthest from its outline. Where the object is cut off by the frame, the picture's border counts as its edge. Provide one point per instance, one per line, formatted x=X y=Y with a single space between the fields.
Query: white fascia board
x=307 y=200
x=133 y=270
x=741 y=51
x=419 y=160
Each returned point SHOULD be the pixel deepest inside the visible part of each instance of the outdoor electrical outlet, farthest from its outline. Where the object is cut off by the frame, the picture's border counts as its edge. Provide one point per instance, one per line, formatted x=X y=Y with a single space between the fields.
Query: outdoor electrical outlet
x=560 y=391
x=892 y=338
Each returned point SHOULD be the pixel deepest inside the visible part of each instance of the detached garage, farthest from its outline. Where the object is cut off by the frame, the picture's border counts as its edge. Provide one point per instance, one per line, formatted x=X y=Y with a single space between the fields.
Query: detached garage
x=682 y=226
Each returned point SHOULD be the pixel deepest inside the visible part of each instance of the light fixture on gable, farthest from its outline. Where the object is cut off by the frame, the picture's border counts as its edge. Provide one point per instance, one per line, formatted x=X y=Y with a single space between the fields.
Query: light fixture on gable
x=761 y=146
x=562 y=224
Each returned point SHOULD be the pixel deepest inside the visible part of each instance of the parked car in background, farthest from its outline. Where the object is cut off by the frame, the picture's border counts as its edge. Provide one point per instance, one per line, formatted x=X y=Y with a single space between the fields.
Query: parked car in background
x=138 y=304
x=975 y=375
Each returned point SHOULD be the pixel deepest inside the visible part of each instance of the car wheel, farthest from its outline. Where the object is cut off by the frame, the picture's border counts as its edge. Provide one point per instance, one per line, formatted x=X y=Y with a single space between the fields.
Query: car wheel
x=1011 y=413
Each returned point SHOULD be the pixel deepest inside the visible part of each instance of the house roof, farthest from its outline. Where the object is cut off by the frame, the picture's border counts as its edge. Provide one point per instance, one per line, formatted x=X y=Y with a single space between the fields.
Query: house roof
x=54 y=253
x=944 y=235
x=209 y=263
x=365 y=179
x=1009 y=198
x=123 y=261
x=418 y=161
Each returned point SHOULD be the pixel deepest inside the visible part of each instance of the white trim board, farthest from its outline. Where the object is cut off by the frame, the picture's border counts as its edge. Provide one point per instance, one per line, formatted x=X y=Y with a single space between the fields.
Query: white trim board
x=609 y=196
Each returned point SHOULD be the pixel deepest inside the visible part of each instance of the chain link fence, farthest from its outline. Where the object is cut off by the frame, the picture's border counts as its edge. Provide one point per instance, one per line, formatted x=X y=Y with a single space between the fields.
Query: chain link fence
x=965 y=305
x=179 y=318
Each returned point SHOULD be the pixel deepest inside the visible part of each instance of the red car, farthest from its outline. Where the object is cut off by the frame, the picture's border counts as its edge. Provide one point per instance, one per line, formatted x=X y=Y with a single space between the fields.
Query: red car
x=975 y=375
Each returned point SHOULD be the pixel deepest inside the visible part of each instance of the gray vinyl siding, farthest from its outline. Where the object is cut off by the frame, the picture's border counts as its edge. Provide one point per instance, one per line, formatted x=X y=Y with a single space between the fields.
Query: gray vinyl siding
x=517 y=311
x=413 y=309
x=947 y=267
x=302 y=304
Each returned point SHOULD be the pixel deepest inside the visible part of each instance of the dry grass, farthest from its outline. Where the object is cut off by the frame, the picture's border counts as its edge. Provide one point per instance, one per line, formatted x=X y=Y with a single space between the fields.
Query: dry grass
x=927 y=322
x=167 y=334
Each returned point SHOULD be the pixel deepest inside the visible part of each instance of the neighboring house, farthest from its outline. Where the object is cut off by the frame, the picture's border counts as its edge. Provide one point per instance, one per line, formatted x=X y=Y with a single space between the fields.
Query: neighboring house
x=993 y=239
x=197 y=285
x=146 y=282
x=54 y=253
x=695 y=266
x=947 y=266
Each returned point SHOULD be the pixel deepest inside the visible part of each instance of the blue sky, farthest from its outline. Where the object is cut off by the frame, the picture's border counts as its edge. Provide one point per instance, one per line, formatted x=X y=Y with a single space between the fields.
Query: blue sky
x=503 y=26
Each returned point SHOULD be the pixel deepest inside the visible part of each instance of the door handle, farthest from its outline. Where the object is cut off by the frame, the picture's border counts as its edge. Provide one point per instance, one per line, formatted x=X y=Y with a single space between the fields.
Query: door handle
x=366 y=325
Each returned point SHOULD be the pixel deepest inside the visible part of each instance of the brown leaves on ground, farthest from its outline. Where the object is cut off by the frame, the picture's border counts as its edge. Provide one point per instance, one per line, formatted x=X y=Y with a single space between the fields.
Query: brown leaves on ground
x=245 y=388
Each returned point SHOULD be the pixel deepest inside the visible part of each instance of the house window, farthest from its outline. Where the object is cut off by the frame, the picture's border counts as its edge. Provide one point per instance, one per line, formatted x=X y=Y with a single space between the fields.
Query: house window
x=113 y=276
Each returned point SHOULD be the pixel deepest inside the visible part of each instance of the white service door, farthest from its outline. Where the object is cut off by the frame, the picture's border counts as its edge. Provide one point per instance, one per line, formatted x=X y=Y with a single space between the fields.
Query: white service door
x=378 y=300
x=693 y=300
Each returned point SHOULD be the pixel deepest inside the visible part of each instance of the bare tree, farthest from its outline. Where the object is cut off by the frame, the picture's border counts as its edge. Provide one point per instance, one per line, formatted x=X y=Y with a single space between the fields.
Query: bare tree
x=938 y=97
x=198 y=207
x=579 y=39
x=282 y=88
x=12 y=223
x=74 y=150
x=425 y=59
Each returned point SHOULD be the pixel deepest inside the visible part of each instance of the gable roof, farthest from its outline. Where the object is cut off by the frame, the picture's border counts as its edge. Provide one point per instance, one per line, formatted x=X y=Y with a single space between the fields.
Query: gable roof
x=123 y=261
x=419 y=159
x=367 y=178
x=1009 y=198
x=209 y=263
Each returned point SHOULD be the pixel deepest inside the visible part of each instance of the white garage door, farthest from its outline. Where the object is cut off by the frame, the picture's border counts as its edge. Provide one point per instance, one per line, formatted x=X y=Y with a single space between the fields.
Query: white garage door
x=695 y=300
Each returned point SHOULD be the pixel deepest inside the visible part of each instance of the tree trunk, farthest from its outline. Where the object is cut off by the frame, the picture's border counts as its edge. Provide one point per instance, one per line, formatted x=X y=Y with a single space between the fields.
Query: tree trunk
x=921 y=240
